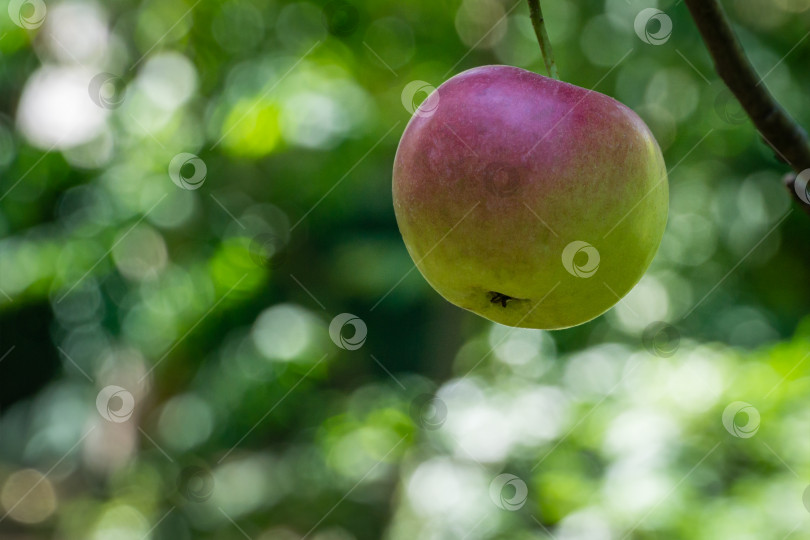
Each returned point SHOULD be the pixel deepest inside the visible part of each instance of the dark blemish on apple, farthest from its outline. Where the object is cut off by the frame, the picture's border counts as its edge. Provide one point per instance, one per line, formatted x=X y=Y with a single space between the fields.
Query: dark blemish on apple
x=499 y=298
x=502 y=179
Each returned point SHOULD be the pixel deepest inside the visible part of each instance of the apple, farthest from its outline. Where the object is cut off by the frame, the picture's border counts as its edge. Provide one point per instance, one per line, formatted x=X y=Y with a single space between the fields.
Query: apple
x=529 y=201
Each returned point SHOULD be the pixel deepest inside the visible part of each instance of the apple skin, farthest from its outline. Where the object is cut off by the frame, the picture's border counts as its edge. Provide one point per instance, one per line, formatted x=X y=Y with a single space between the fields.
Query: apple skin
x=501 y=169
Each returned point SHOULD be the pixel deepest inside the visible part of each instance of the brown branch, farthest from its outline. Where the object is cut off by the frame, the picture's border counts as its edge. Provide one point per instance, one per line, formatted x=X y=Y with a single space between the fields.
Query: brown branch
x=787 y=139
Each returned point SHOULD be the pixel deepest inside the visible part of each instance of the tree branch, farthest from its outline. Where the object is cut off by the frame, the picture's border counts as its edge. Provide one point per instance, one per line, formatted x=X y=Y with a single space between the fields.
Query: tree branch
x=787 y=139
x=538 y=22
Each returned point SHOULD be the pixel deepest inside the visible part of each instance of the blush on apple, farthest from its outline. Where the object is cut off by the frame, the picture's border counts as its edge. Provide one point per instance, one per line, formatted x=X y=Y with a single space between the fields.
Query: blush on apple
x=527 y=200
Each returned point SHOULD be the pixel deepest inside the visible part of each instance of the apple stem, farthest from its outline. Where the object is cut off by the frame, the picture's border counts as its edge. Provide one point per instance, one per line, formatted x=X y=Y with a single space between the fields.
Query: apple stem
x=539 y=25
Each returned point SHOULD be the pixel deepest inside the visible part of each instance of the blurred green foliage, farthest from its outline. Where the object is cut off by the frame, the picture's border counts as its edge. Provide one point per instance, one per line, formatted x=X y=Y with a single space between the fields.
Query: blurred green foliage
x=166 y=363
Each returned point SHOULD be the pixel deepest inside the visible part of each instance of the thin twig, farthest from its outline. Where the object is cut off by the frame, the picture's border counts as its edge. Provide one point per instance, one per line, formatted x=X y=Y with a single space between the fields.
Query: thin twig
x=787 y=139
x=542 y=37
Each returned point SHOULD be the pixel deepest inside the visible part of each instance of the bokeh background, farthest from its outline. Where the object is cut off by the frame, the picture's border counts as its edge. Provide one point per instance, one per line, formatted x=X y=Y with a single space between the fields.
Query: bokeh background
x=193 y=193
